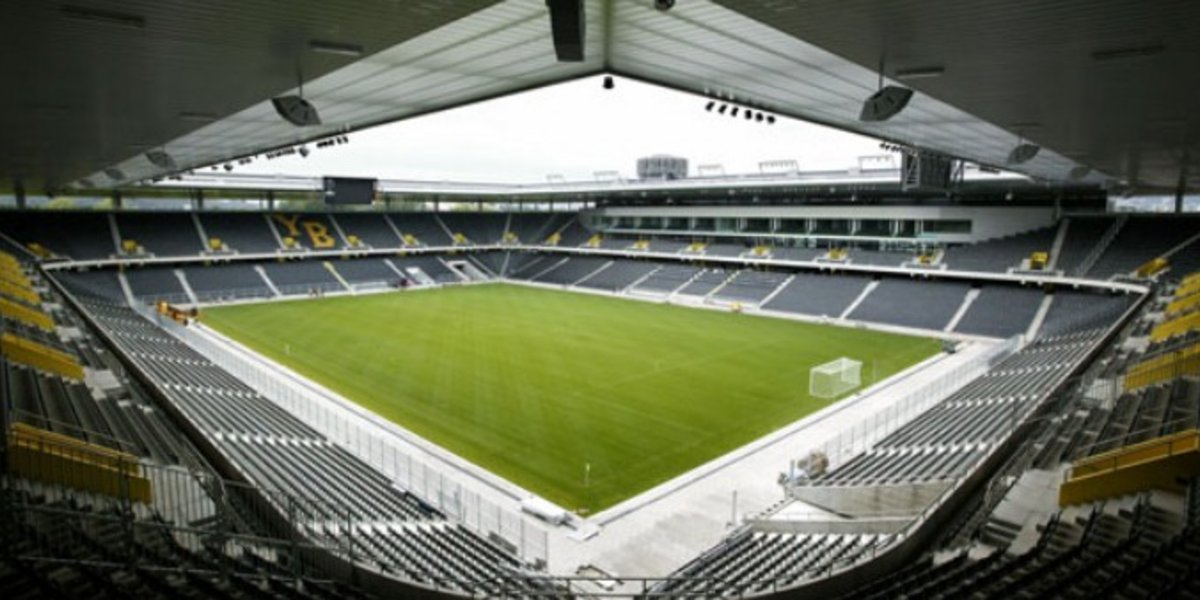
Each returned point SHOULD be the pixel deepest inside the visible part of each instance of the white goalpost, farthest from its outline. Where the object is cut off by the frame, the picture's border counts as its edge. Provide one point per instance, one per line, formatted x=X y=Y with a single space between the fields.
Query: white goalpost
x=834 y=378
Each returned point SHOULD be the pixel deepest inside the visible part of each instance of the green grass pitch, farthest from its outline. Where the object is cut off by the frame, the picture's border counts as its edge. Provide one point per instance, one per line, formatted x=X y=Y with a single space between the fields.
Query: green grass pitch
x=534 y=384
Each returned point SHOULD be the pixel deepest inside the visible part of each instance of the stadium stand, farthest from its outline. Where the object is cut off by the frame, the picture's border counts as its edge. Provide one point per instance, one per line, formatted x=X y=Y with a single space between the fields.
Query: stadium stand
x=667 y=279
x=79 y=236
x=819 y=295
x=535 y=228
x=911 y=303
x=572 y=271
x=1082 y=234
x=882 y=258
x=999 y=255
x=152 y=283
x=266 y=443
x=313 y=231
x=101 y=283
x=367 y=272
x=751 y=286
x=371 y=229
x=705 y=283
x=1001 y=311
x=301 y=277
x=423 y=227
x=429 y=265
x=485 y=228
x=619 y=275
x=228 y=281
x=245 y=233
x=160 y=234
x=1141 y=240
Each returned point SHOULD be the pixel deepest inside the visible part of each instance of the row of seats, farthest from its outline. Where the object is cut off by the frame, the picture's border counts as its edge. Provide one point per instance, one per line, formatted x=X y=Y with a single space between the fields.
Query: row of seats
x=754 y=562
x=83 y=236
x=71 y=550
x=91 y=236
x=278 y=453
x=1112 y=551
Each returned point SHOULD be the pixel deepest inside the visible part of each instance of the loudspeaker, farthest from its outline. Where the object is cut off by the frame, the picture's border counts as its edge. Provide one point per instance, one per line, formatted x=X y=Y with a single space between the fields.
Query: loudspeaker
x=885 y=104
x=296 y=110
x=1023 y=153
x=926 y=171
x=567 y=27
x=161 y=159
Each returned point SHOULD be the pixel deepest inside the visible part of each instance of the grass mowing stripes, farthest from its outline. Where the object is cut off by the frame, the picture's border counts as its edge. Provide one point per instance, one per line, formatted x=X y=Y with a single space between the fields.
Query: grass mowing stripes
x=535 y=384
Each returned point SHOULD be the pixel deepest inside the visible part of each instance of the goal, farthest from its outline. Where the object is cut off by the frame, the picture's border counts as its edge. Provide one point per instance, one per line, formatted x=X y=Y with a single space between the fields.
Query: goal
x=834 y=378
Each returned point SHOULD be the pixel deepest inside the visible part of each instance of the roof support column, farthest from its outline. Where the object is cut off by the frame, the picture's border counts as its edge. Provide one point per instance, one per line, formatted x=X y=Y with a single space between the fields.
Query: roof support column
x=117 y=201
x=1181 y=187
x=19 y=193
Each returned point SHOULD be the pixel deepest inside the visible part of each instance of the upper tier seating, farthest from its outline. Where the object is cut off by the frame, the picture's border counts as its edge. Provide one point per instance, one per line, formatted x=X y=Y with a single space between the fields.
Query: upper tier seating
x=534 y=228
x=1082 y=234
x=1141 y=240
x=77 y=235
x=166 y=234
x=309 y=230
x=245 y=233
x=999 y=255
x=370 y=228
x=424 y=226
x=485 y=228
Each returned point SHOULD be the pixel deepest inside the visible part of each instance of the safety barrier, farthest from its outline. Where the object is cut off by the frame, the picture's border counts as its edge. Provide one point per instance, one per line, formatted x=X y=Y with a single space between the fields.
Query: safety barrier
x=1176 y=326
x=50 y=457
x=18 y=349
x=1164 y=367
x=25 y=314
x=1160 y=463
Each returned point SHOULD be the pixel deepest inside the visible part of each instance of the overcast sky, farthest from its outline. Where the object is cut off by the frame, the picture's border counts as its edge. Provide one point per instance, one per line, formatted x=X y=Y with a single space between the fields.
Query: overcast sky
x=573 y=129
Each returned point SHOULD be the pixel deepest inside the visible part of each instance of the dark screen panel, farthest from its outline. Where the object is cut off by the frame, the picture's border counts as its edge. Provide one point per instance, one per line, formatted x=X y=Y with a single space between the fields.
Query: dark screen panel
x=349 y=190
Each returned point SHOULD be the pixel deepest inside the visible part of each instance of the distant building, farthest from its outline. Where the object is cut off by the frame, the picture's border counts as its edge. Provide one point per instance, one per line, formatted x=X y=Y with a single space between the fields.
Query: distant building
x=662 y=166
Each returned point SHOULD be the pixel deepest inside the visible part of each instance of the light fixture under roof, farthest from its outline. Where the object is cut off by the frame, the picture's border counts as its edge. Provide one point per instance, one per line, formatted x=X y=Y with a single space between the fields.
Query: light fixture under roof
x=1128 y=52
x=1079 y=172
x=920 y=72
x=114 y=174
x=338 y=48
x=97 y=15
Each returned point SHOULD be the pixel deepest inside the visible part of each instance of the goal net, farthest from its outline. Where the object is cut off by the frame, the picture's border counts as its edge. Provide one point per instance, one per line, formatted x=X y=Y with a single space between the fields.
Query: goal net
x=834 y=378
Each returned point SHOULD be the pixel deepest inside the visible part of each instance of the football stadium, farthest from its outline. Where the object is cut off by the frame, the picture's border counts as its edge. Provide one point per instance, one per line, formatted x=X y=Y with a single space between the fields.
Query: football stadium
x=965 y=364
